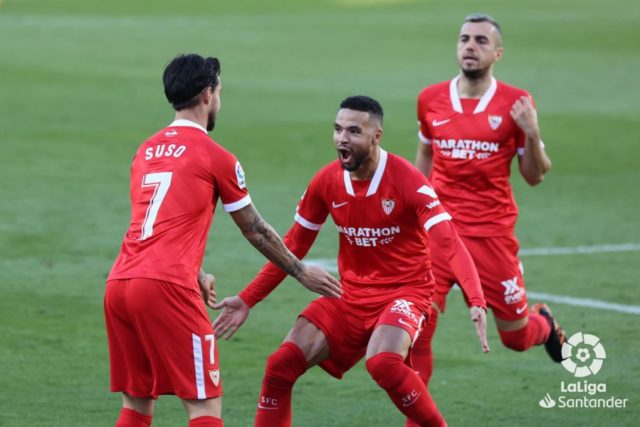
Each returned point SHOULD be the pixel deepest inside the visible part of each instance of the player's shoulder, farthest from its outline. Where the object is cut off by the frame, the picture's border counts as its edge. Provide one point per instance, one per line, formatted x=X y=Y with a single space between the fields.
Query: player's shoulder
x=328 y=173
x=510 y=91
x=435 y=89
x=402 y=169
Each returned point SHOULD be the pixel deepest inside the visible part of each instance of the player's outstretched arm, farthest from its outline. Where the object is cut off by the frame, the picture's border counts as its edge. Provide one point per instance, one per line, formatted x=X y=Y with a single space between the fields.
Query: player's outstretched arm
x=264 y=238
x=207 y=283
x=534 y=163
x=446 y=239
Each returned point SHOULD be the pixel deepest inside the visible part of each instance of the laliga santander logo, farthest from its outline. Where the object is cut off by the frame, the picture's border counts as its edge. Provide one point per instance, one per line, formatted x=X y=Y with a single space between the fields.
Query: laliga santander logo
x=583 y=355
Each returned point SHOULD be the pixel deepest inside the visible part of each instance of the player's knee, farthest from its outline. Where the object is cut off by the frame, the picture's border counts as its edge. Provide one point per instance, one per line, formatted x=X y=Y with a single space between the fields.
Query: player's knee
x=286 y=364
x=514 y=340
x=383 y=368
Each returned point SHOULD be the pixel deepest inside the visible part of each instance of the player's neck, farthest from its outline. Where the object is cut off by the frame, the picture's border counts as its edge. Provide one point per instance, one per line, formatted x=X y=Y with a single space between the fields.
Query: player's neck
x=193 y=116
x=368 y=168
x=474 y=88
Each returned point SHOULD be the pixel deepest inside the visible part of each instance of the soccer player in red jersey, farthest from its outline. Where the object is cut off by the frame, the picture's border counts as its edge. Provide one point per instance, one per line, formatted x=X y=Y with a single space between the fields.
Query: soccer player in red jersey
x=160 y=338
x=385 y=212
x=471 y=127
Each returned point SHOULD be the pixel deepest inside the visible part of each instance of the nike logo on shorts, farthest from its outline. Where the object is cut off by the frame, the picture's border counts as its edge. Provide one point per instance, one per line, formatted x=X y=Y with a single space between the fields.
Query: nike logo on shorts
x=519 y=310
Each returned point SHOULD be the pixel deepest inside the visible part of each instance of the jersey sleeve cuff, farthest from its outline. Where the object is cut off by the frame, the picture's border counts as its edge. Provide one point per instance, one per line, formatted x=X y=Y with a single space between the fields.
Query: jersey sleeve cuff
x=521 y=149
x=235 y=206
x=307 y=224
x=423 y=138
x=436 y=219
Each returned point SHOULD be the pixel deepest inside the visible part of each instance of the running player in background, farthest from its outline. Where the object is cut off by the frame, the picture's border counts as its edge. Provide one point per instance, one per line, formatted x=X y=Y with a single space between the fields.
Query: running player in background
x=160 y=338
x=470 y=129
x=385 y=211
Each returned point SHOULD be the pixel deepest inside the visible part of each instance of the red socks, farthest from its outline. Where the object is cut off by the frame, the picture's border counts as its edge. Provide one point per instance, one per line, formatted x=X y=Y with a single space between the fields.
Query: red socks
x=130 y=418
x=405 y=388
x=284 y=367
x=535 y=332
x=421 y=354
x=206 y=422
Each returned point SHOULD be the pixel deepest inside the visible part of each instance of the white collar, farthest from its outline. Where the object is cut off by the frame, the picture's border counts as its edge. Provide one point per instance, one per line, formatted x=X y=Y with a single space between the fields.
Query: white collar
x=375 y=181
x=187 y=123
x=484 y=101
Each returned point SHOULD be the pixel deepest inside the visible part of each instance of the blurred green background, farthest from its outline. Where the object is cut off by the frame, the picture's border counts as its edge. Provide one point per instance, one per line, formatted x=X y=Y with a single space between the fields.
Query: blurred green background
x=80 y=89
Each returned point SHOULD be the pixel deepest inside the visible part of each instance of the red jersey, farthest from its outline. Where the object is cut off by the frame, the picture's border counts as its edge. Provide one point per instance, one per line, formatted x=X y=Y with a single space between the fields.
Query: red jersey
x=177 y=176
x=474 y=142
x=381 y=223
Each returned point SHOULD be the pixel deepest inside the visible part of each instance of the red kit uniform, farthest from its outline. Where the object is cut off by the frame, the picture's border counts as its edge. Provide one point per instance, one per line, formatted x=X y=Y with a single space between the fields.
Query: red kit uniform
x=383 y=260
x=474 y=142
x=160 y=336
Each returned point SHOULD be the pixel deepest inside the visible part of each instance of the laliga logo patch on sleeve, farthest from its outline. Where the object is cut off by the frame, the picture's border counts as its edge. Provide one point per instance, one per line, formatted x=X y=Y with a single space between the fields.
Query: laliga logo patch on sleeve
x=240 y=176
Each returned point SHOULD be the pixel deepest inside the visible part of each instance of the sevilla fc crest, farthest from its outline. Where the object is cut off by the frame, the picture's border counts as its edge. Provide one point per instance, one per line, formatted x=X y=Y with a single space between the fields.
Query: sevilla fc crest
x=215 y=377
x=494 y=122
x=387 y=205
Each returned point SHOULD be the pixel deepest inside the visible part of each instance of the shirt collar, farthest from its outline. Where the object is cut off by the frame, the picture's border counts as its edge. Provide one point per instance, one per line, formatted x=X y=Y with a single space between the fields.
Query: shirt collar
x=187 y=123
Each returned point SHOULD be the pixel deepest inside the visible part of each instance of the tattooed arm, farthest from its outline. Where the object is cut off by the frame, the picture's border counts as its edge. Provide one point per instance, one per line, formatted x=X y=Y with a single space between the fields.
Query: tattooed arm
x=264 y=238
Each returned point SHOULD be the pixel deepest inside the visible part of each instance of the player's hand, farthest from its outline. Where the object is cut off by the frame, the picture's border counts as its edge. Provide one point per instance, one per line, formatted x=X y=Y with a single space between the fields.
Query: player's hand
x=479 y=319
x=234 y=313
x=525 y=116
x=207 y=283
x=318 y=280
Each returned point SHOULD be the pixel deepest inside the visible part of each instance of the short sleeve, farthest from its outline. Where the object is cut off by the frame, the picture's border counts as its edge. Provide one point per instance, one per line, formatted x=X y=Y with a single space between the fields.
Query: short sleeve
x=424 y=200
x=312 y=210
x=230 y=182
x=424 y=134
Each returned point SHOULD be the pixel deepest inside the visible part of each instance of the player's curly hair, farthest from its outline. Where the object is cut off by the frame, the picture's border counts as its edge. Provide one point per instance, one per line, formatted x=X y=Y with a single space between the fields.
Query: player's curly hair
x=365 y=104
x=186 y=76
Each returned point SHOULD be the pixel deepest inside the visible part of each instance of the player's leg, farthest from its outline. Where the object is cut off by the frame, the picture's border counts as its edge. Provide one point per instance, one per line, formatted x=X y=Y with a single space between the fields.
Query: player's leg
x=505 y=291
x=421 y=356
x=304 y=346
x=205 y=412
x=398 y=327
x=178 y=339
x=130 y=368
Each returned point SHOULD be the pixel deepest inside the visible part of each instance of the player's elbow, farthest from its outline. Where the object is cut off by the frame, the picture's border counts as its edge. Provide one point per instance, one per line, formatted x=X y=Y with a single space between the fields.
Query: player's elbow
x=534 y=180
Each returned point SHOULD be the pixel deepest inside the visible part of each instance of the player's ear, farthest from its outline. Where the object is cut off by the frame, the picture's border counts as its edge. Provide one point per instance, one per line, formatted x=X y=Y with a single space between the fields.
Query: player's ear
x=499 y=52
x=377 y=136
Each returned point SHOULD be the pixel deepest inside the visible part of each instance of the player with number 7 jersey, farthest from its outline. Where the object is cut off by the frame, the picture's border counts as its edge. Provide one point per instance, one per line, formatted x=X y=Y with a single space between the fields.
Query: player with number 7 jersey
x=161 y=340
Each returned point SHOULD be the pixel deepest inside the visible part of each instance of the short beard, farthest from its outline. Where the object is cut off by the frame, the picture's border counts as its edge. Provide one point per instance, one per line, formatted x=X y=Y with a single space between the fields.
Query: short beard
x=475 y=74
x=211 y=121
x=357 y=162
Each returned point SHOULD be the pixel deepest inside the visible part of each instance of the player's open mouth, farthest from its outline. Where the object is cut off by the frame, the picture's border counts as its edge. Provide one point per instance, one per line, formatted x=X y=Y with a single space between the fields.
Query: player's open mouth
x=345 y=155
x=469 y=58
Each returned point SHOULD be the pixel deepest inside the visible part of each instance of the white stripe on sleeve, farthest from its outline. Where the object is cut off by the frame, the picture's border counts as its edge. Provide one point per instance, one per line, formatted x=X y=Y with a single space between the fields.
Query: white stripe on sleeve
x=423 y=138
x=236 y=206
x=307 y=224
x=436 y=219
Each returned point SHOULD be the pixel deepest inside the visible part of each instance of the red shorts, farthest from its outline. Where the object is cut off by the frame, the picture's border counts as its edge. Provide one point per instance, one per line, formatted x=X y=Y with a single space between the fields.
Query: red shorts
x=349 y=327
x=160 y=340
x=500 y=271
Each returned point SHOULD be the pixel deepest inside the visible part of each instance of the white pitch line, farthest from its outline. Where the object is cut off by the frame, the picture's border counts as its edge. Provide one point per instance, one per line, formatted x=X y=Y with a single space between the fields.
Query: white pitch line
x=330 y=265
x=596 y=249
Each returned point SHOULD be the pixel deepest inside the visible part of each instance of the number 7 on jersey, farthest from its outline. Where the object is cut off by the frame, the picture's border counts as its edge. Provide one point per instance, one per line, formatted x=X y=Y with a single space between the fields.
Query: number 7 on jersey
x=161 y=181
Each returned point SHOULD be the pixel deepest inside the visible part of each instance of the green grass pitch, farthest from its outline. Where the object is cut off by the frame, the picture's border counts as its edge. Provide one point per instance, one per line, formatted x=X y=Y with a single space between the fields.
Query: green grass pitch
x=80 y=88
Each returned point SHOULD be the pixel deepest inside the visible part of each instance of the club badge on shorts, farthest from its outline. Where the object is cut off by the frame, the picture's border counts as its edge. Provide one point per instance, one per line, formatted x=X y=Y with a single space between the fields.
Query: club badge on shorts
x=214 y=374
